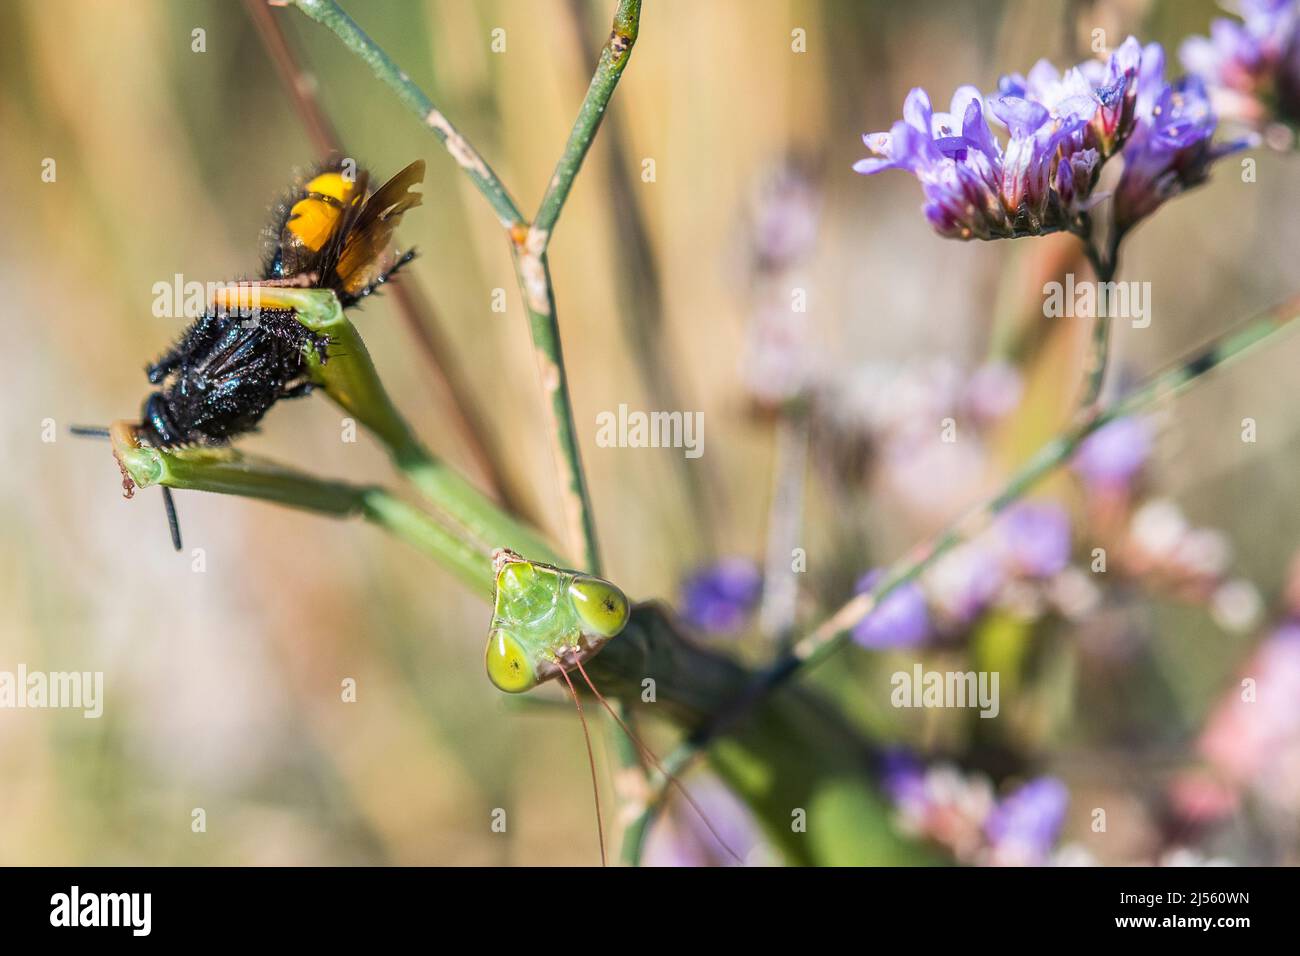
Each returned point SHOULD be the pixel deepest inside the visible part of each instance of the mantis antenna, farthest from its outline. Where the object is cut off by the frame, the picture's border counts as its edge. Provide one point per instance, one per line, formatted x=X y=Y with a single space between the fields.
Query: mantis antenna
x=591 y=762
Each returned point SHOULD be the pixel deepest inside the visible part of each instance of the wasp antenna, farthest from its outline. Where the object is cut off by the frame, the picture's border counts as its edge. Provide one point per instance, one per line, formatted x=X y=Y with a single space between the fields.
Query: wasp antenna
x=650 y=755
x=88 y=431
x=172 y=524
x=591 y=762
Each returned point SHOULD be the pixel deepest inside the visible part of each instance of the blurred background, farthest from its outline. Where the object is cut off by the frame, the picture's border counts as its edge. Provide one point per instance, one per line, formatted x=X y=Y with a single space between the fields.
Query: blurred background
x=223 y=686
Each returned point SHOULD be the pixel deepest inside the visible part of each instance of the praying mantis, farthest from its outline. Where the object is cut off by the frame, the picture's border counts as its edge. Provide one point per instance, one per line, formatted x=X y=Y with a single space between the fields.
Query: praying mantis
x=546 y=620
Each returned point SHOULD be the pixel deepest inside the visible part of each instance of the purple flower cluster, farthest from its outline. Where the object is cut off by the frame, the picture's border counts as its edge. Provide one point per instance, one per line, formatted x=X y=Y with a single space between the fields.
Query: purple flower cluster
x=1023 y=827
x=1252 y=67
x=719 y=598
x=902 y=776
x=959 y=811
x=680 y=838
x=1031 y=543
x=1110 y=458
x=1062 y=127
x=900 y=620
x=1036 y=538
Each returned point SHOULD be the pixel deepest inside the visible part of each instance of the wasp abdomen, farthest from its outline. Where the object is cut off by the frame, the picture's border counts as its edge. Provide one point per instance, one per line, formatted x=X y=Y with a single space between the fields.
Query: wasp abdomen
x=223 y=376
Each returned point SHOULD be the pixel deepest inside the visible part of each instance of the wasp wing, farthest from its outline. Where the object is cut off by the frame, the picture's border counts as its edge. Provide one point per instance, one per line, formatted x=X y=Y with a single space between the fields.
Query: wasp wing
x=362 y=259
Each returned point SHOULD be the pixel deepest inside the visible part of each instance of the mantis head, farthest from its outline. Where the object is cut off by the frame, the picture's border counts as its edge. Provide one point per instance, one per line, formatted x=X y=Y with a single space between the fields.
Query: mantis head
x=546 y=619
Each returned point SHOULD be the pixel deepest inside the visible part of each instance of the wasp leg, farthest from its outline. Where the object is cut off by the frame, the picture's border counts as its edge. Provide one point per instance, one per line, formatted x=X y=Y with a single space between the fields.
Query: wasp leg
x=165 y=365
x=350 y=300
x=298 y=391
x=173 y=525
x=89 y=431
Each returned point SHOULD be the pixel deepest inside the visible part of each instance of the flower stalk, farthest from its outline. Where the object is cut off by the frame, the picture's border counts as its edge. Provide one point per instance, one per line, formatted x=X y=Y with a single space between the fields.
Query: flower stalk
x=1104 y=268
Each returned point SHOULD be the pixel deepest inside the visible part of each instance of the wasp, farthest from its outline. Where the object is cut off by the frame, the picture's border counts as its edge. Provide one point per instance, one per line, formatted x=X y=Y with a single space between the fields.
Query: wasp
x=230 y=366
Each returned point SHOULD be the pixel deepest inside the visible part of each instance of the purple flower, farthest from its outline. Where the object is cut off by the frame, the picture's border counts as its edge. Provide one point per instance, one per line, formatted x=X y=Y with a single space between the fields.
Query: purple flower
x=1061 y=128
x=954 y=157
x=718 y=599
x=1170 y=150
x=1252 y=68
x=1101 y=95
x=900 y=620
x=993 y=391
x=1257 y=741
x=1036 y=537
x=965 y=581
x=902 y=776
x=785 y=214
x=973 y=188
x=1024 y=825
x=1110 y=457
x=681 y=838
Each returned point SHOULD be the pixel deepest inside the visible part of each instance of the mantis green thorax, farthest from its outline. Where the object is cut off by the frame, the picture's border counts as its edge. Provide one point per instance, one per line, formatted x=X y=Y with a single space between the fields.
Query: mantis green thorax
x=546 y=619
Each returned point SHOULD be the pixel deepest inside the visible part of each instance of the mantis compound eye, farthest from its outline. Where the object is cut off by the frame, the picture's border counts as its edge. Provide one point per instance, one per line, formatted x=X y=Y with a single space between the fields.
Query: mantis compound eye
x=509 y=666
x=602 y=608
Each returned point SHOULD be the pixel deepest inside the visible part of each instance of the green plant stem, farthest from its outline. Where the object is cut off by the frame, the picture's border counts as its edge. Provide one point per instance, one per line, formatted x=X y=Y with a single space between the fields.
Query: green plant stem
x=331 y=16
x=613 y=58
x=230 y=473
x=532 y=265
x=779 y=604
x=834 y=633
x=534 y=271
x=539 y=302
x=1094 y=373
